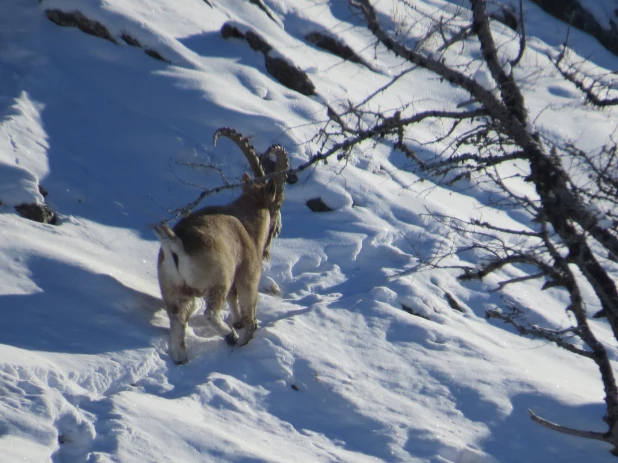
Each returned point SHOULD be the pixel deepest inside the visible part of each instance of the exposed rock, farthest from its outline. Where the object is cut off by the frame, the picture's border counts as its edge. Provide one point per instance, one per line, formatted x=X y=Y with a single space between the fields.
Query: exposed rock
x=89 y=26
x=412 y=312
x=453 y=302
x=289 y=75
x=281 y=69
x=334 y=46
x=37 y=212
x=43 y=191
x=130 y=40
x=231 y=32
x=257 y=43
x=77 y=19
x=156 y=55
x=318 y=205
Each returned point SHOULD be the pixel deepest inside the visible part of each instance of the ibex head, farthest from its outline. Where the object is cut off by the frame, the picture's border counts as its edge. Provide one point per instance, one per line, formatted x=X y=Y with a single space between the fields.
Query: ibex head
x=272 y=191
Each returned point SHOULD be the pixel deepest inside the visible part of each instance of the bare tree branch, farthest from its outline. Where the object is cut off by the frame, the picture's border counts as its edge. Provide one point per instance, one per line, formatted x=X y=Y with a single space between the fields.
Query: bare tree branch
x=570 y=431
x=511 y=96
x=503 y=284
x=522 y=36
x=555 y=336
x=574 y=75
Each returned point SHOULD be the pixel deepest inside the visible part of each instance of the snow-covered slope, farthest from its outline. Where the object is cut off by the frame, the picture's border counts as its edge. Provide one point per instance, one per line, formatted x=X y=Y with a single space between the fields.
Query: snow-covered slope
x=338 y=371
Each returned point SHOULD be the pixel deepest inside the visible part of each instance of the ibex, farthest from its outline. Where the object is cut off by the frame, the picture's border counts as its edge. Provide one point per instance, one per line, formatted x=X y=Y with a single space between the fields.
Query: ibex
x=216 y=253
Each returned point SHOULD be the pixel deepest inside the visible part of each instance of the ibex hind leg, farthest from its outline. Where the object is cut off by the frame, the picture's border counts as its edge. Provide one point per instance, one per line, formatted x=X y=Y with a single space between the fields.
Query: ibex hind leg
x=214 y=303
x=178 y=313
x=232 y=301
x=247 y=300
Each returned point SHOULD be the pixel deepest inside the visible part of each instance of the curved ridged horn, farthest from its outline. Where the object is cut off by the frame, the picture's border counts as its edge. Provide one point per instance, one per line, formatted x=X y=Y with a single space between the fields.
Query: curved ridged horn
x=245 y=146
x=282 y=164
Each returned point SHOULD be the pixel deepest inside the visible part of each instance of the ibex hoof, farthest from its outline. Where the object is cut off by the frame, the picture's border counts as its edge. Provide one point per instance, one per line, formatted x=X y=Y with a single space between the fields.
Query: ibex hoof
x=247 y=335
x=238 y=325
x=180 y=359
x=232 y=338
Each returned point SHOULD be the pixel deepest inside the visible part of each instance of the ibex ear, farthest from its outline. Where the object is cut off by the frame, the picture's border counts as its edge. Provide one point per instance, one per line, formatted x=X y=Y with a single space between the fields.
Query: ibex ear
x=246 y=177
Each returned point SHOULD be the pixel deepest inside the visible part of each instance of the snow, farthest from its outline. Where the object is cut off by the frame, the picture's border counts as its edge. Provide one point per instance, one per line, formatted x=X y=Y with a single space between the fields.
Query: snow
x=337 y=371
x=23 y=157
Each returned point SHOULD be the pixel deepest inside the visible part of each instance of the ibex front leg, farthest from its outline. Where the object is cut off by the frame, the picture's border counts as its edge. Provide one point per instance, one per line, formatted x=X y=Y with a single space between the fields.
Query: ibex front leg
x=214 y=303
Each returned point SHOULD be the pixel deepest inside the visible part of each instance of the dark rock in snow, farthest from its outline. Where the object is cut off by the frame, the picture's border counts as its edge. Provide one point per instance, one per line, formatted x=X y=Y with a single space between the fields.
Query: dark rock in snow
x=289 y=75
x=257 y=43
x=334 y=46
x=77 y=19
x=130 y=40
x=156 y=55
x=281 y=69
x=89 y=26
x=37 y=212
x=412 y=312
x=228 y=31
x=317 y=205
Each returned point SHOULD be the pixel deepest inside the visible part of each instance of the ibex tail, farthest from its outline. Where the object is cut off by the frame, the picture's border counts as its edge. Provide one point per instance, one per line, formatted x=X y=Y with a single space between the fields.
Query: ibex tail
x=170 y=243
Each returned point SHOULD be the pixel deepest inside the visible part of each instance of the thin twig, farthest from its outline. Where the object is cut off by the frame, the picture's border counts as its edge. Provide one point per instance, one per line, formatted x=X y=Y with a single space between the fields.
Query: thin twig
x=502 y=284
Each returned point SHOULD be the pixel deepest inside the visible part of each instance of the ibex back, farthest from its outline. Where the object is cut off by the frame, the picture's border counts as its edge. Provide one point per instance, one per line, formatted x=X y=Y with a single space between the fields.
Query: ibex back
x=217 y=252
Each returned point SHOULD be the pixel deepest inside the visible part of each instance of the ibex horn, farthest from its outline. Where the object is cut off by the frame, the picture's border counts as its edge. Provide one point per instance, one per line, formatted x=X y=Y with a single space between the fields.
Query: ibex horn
x=245 y=146
x=281 y=165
